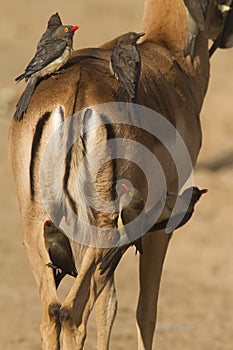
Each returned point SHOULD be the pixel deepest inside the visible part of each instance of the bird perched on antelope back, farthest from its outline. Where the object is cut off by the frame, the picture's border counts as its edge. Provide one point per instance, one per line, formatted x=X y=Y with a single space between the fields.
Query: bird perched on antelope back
x=125 y=65
x=131 y=205
x=225 y=38
x=53 y=51
x=60 y=252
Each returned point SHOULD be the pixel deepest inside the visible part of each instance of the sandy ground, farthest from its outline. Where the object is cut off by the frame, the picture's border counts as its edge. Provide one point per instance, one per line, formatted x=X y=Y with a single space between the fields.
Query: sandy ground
x=195 y=306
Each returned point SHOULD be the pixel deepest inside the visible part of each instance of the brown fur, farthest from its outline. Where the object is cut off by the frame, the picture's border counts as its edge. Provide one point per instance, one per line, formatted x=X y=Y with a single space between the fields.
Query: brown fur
x=169 y=84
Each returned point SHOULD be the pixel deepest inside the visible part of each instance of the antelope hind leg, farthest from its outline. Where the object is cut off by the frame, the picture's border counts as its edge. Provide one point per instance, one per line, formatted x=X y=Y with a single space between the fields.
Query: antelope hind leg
x=105 y=311
x=77 y=306
x=38 y=258
x=151 y=262
x=75 y=311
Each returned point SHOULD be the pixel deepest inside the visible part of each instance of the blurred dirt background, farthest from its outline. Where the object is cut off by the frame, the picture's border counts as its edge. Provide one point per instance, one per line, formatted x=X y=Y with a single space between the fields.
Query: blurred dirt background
x=196 y=298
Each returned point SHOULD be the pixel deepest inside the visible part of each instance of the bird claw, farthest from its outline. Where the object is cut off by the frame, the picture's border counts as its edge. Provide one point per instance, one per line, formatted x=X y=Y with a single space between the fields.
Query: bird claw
x=139 y=250
x=50 y=264
x=58 y=72
x=190 y=46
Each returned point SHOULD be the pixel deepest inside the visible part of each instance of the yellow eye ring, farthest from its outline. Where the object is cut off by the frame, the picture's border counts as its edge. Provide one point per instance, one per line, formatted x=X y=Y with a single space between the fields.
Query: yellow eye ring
x=66 y=30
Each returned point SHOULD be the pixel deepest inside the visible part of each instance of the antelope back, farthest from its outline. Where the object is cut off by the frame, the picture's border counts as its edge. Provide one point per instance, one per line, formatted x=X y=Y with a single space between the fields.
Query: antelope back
x=71 y=114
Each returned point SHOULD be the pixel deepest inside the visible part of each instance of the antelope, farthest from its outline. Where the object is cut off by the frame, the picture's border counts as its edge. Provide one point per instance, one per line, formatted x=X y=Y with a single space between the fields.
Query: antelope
x=78 y=104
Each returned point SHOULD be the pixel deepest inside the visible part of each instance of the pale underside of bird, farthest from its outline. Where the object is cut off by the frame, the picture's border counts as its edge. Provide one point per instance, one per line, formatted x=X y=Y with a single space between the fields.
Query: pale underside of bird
x=177 y=211
x=53 y=51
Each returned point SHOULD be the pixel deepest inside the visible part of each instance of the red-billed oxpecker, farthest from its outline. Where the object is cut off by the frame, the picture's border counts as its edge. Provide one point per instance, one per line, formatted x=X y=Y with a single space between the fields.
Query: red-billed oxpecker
x=125 y=65
x=60 y=252
x=177 y=210
x=53 y=51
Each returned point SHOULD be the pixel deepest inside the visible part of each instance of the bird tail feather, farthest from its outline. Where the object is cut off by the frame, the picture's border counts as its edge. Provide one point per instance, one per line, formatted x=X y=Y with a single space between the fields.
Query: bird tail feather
x=112 y=259
x=20 y=77
x=215 y=45
x=74 y=273
x=122 y=95
x=25 y=98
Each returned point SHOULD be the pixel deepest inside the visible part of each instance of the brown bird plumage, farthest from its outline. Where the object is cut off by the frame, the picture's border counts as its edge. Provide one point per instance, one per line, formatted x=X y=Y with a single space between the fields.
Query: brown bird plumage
x=60 y=252
x=173 y=219
x=196 y=22
x=53 y=51
x=225 y=38
x=131 y=205
x=53 y=23
x=168 y=220
x=125 y=64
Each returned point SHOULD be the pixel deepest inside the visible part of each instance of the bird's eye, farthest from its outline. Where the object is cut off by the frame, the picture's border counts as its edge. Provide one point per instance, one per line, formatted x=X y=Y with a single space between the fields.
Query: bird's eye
x=131 y=37
x=66 y=29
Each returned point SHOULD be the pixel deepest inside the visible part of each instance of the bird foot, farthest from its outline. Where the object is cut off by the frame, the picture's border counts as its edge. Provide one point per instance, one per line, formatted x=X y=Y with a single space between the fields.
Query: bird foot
x=57 y=72
x=52 y=266
x=190 y=47
x=140 y=251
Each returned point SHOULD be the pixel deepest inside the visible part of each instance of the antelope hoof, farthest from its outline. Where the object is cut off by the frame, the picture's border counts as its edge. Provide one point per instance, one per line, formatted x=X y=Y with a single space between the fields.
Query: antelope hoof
x=65 y=315
x=54 y=311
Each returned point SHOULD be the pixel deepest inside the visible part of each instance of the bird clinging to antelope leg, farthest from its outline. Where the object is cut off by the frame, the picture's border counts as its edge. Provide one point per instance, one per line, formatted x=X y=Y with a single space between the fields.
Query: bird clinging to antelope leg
x=60 y=252
x=184 y=207
x=131 y=205
x=169 y=85
x=125 y=64
x=53 y=51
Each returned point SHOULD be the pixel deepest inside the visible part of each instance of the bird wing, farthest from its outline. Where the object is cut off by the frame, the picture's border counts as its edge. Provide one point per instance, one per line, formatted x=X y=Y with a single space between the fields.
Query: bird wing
x=112 y=259
x=196 y=21
x=62 y=257
x=191 y=37
x=197 y=9
x=225 y=38
x=172 y=223
x=125 y=63
x=46 y=54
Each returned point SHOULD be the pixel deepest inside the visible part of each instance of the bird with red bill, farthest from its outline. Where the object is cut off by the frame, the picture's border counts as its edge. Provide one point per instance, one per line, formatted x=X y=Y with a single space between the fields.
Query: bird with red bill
x=175 y=211
x=53 y=51
x=60 y=252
